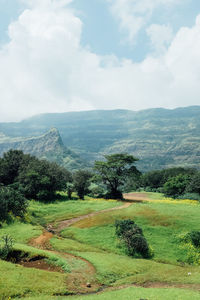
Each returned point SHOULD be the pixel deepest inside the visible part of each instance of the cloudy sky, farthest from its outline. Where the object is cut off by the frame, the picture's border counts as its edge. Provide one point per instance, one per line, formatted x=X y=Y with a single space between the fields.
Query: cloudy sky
x=69 y=55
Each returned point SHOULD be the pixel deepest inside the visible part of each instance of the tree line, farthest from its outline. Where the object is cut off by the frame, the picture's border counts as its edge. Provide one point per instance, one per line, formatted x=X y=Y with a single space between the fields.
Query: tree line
x=24 y=177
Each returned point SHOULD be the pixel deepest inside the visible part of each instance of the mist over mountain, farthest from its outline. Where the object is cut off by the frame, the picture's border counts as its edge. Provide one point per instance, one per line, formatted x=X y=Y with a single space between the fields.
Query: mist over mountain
x=158 y=137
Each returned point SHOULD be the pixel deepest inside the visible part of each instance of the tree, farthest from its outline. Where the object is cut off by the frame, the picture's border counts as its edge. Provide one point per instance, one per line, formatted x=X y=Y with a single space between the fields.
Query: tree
x=11 y=202
x=81 y=180
x=10 y=165
x=41 y=179
x=176 y=186
x=69 y=188
x=194 y=185
x=115 y=171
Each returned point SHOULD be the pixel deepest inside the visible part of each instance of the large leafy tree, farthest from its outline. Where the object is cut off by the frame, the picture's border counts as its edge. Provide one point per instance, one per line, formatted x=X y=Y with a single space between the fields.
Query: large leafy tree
x=176 y=186
x=194 y=185
x=81 y=181
x=12 y=202
x=41 y=179
x=114 y=172
x=10 y=165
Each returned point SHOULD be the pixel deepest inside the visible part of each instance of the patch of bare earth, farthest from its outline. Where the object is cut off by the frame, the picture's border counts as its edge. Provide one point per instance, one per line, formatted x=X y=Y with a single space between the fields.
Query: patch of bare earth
x=40 y=264
x=139 y=197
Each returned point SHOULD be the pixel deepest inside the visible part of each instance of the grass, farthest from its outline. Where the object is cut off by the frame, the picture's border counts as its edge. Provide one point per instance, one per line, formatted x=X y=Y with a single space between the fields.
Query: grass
x=162 y=224
x=134 y=293
x=118 y=269
x=21 y=232
x=16 y=281
x=93 y=239
x=47 y=213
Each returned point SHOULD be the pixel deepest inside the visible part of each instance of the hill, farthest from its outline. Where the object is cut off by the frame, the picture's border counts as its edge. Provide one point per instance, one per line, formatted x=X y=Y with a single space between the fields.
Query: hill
x=158 y=137
x=47 y=146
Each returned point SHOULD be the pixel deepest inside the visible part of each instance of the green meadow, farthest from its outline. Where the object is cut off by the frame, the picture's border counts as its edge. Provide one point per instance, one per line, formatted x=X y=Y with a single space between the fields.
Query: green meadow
x=88 y=251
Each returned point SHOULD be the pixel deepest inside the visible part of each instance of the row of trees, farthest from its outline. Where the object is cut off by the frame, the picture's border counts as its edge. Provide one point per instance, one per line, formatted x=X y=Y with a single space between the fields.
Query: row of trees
x=23 y=177
x=173 y=182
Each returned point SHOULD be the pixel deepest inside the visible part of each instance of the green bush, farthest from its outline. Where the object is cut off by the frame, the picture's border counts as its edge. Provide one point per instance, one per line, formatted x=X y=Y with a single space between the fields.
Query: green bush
x=194 y=238
x=132 y=237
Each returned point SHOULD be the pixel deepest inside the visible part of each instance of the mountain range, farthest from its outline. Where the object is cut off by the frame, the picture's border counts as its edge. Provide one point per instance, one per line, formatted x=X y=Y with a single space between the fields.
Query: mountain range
x=159 y=137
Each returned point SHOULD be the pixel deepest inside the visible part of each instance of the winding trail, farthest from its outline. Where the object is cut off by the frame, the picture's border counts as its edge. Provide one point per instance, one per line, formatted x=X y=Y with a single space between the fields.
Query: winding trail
x=64 y=224
x=82 y=279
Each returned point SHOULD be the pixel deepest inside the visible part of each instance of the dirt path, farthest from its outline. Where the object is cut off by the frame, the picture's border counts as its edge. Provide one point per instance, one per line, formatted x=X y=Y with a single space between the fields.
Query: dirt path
x=82 y=278
x=64 y=224
x=137 y=197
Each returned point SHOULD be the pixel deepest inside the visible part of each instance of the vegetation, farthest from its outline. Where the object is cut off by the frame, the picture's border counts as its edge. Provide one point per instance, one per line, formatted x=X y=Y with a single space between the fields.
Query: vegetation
x=162 y=138
x=6 y=245
x=162 y=221
x=132 y=236
x=34 y=178
x=12 y=202
x=99 y=248
x=114 y=172
x=81 y=182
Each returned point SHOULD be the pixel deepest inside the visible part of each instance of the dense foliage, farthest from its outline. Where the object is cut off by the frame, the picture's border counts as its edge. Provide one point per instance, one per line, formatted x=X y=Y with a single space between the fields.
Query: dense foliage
x=12 y=202
x=81 y=181
x=37 y=179
x=114 y=171
x=193 y=237
x=132 y=237
x=173 y=182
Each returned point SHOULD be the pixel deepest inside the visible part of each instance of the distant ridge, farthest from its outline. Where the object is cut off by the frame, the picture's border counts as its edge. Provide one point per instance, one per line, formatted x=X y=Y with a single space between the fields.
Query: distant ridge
x=158 y=137
x=47 y=146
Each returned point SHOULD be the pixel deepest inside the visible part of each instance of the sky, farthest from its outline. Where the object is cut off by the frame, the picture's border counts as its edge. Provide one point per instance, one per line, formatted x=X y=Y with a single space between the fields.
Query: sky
x=73 y=55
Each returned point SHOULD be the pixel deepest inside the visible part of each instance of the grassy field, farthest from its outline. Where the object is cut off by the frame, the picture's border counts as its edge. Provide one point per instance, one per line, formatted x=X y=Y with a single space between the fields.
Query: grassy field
x=94 y=250
x=162 y=224
x=133 y=293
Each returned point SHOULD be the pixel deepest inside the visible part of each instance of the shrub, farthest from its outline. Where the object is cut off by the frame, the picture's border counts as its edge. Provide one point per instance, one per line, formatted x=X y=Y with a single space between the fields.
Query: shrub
x=6 y=245
x=132 y=237
x=194 y=238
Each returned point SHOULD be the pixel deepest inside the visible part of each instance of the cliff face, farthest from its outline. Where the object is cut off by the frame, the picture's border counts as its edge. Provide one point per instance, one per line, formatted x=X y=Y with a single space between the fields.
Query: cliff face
x=47 y=146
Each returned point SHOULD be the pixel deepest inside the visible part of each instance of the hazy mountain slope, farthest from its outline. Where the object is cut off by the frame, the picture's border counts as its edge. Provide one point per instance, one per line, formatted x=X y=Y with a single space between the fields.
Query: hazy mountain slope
x=47 y=146
x=159 y=137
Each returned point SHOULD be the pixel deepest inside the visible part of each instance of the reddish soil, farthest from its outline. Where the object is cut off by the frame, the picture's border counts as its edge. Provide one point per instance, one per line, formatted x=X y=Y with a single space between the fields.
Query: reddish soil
x=40 y=264
x=42 y=241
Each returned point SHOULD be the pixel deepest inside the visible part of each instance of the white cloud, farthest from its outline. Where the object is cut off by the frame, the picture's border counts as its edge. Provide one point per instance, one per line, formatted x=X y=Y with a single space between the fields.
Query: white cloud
x=44 y=68
x=160 y=37
x=133 y=15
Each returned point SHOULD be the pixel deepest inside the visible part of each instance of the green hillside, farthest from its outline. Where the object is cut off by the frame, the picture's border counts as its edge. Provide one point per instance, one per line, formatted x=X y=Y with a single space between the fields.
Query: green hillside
x=159 y=137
